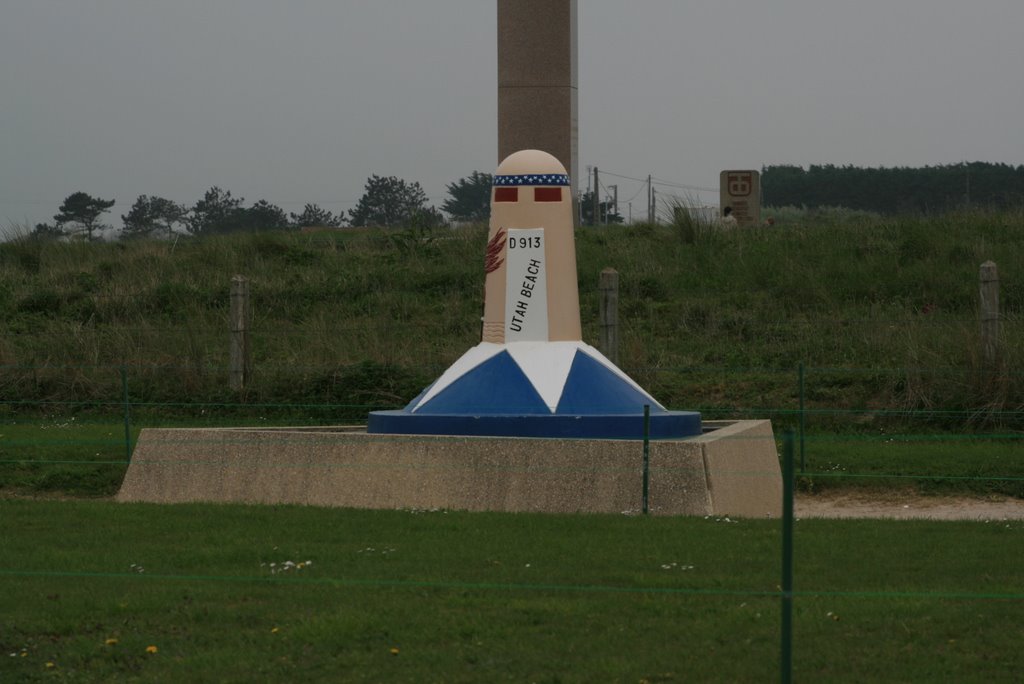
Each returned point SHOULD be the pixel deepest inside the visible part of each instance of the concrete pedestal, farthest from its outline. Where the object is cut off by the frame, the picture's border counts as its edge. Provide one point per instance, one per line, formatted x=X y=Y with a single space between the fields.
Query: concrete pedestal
x=732 y=469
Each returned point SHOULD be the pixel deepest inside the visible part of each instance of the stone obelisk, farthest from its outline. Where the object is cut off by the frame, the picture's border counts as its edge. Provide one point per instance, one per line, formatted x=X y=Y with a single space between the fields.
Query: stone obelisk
x=537 y=80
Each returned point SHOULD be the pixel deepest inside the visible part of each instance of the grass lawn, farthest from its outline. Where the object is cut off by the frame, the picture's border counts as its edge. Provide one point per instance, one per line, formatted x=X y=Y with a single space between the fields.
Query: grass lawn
x=458 y=597
x=69 y=455
x=928 y=463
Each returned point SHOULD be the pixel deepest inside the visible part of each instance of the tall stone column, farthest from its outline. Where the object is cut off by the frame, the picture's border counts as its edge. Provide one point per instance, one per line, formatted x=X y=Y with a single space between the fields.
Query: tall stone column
x=537 y=80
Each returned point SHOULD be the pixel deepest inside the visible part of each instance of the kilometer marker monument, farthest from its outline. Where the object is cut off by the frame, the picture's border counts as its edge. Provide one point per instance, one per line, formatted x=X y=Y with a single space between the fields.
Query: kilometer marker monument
x=532 y=375
x=530 y=419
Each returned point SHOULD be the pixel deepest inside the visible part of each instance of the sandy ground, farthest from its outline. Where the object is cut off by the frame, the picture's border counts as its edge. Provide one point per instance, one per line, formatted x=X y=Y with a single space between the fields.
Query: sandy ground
x=906 y=506
x=897 y=506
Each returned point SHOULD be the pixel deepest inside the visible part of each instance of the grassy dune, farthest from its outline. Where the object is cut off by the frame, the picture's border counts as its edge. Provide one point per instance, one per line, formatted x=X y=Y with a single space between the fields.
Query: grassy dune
x=873 y=295
x=881 y=313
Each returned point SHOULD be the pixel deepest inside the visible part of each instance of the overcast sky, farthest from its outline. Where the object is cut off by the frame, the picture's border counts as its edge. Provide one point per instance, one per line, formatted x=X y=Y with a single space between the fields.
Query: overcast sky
x=301 y=101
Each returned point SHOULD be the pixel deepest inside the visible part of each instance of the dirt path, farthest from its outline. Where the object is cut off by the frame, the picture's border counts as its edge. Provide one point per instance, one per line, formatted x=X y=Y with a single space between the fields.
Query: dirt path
x=897 y=506
x=905 y=506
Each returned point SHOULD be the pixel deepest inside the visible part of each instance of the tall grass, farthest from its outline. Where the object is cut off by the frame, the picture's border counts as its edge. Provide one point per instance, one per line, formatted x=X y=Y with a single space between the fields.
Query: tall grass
x=370 y=316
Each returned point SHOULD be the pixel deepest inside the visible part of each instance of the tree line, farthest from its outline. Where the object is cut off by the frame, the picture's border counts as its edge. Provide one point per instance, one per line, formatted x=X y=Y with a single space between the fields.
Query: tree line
x=386 y=201
x=392 y=201
x=895 y=190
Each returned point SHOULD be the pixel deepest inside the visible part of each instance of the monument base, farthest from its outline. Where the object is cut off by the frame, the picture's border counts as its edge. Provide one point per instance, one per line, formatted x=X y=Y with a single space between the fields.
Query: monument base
x=732 y=469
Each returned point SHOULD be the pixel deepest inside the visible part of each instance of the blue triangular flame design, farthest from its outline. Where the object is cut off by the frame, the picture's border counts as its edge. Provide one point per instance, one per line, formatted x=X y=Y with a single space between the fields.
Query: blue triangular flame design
x=496 y=386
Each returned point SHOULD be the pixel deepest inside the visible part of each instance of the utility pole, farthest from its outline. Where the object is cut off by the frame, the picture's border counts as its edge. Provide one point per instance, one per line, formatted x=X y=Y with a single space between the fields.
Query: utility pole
x=650 y=200
x=240 y=356
x=597 y=198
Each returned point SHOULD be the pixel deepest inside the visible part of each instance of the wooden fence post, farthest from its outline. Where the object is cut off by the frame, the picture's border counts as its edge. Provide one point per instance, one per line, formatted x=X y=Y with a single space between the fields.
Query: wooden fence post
x=241 y=317
x=609 y=287
x=988 y=286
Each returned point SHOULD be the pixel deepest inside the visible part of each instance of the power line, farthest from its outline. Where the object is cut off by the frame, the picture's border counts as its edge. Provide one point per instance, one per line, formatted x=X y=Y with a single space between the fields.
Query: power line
x=683 y=186
x=617 y=175
x=661 y=182
x=637 y=193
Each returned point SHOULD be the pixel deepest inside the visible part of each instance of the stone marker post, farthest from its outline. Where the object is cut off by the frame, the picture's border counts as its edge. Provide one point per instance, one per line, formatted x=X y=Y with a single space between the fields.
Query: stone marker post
x=741 y=190
x=537 y=80
x=241 y=317
x=988 y=287
x=609 y=287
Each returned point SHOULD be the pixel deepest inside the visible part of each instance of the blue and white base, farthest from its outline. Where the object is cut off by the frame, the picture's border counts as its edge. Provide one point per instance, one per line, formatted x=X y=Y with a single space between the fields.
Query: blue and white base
x=535 y=389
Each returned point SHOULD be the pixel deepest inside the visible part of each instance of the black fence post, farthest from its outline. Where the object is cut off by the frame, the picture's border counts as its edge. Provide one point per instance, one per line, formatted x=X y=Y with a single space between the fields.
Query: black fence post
x=647 y=456
x=786 y=667
x=803 y=464
x=127 y=413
